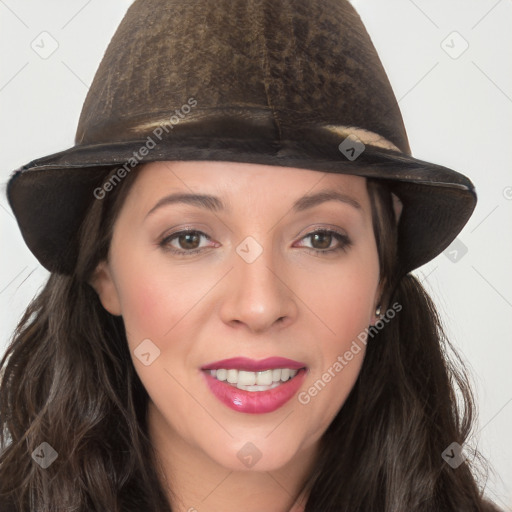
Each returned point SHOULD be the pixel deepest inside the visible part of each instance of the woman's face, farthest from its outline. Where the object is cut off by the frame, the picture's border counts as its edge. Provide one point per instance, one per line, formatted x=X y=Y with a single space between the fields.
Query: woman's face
x=250 y=280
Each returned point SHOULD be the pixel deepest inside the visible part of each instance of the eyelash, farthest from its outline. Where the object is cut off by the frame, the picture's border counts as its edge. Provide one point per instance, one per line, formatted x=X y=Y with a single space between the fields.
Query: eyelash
x=345 y=242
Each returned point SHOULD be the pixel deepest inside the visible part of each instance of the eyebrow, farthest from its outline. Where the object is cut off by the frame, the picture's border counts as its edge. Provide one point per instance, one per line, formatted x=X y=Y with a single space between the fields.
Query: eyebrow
x=214 y=203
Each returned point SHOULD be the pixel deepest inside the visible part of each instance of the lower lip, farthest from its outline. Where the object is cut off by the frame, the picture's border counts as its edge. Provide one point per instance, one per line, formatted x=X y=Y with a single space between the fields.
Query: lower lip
x=255 y=402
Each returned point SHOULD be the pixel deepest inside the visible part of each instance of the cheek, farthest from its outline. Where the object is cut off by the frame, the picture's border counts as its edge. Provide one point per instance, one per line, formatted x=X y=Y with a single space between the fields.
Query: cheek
x=158 y=301
x=151 y=304
x=145 y=305
x=343 y=300
x=345 y=315
x=155 y=303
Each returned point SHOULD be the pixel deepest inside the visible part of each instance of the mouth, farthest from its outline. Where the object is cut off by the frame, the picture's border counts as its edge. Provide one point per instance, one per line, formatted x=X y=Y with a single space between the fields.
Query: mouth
x=254 y=381
x=250 y=386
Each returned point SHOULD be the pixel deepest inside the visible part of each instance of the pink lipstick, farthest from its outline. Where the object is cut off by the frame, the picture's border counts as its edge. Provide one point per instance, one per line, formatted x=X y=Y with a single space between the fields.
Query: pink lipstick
x=243 y=363
x=254 y=387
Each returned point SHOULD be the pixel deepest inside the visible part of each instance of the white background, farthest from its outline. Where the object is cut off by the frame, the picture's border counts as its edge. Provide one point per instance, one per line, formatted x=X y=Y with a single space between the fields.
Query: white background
x=458 y=113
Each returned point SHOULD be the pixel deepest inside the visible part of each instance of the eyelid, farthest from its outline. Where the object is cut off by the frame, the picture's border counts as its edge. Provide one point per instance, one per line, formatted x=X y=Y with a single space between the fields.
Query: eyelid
x=344 y=241
x=313 y=228
x=165 y=240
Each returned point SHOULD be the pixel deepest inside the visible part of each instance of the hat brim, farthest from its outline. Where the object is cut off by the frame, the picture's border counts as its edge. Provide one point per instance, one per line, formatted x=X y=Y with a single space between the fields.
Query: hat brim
x=50 y=195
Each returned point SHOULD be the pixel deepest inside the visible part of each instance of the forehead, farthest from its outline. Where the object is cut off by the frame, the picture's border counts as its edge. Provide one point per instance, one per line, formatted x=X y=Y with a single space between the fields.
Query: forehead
x=242 y=181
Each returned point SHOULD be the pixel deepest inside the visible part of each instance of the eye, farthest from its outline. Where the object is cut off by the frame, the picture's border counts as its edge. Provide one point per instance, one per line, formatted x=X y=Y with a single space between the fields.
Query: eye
x=188 y=242
x=321 y=239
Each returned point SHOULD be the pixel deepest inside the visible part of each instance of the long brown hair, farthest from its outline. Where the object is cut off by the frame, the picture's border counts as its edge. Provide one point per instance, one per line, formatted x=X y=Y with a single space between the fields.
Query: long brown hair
x=67 y=379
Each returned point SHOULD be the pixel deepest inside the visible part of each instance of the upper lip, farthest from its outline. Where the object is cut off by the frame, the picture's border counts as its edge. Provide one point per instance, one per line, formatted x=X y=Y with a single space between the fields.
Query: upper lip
x=252 y=365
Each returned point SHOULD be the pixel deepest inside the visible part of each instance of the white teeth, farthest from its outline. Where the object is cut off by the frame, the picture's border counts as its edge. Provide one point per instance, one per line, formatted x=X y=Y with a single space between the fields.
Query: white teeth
x=220 y=374
x=285 y=374
x=254 y=381
x=264 y=378
x=232 y=376
x=258 y=388
x=246 y=378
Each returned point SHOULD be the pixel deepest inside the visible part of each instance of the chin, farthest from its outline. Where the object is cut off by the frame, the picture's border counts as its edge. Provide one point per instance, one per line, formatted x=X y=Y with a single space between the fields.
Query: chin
x=256 y=454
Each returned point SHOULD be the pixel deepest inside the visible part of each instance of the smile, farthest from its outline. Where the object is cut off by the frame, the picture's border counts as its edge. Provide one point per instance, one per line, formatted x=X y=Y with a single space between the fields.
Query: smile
x=254 y=387
x=254 y=381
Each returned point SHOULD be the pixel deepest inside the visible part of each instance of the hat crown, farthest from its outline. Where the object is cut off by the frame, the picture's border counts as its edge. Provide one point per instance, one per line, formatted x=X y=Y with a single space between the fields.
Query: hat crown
x=269 y=82
x=252 y=68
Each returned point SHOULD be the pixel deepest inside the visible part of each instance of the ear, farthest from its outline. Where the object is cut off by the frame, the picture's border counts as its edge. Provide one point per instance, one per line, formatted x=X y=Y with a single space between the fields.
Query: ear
x=397 y=206
x=104 y=285
x=378 y=301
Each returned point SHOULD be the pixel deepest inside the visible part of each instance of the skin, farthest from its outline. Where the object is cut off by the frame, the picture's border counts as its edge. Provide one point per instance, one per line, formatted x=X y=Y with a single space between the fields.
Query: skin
x=213 y=305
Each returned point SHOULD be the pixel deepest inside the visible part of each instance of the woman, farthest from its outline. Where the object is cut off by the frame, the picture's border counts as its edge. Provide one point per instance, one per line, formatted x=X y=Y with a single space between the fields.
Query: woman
x=230 y=322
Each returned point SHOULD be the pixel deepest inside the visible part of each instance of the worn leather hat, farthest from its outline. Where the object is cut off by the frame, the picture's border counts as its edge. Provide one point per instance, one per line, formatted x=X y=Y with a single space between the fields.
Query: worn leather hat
x=294 y=83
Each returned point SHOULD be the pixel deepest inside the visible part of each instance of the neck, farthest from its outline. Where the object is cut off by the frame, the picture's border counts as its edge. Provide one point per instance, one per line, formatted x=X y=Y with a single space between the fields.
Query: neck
x=196 y=483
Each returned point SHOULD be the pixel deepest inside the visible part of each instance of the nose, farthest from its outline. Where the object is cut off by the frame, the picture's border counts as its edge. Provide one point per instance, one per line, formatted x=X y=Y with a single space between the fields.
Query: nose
x=258 y=294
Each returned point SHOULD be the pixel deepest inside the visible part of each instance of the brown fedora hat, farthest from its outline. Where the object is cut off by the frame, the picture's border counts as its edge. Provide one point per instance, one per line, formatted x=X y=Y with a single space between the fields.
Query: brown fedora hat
x=294 y=83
